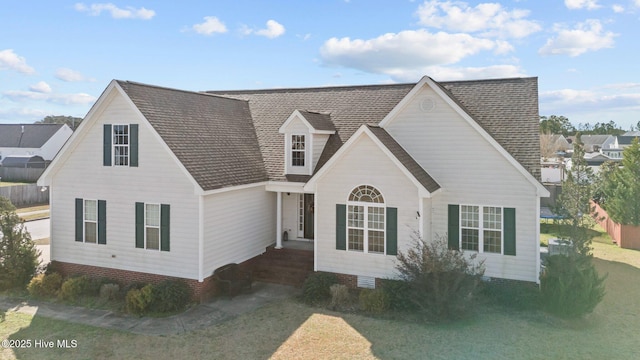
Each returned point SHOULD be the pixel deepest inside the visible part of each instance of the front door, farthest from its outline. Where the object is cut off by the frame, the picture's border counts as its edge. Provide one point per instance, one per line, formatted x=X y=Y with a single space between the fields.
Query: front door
x=308 y=216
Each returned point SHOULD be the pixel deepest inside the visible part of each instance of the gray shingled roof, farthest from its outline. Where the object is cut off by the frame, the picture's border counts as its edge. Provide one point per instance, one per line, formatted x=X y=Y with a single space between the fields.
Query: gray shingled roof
x=506 y=108
x=212 y=136
x=403 y=156
x=33 y=136
x=318 y=121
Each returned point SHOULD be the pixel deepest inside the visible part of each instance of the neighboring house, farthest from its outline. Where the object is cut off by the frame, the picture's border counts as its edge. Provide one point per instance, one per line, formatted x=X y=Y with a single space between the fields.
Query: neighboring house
x=44 y=140
x=158 y=182
x=23 y=161
x=624 y=141
x=594 y=143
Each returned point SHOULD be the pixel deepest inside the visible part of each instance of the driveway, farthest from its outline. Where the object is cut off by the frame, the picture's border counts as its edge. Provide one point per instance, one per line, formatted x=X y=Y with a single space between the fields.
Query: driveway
x=39 y=229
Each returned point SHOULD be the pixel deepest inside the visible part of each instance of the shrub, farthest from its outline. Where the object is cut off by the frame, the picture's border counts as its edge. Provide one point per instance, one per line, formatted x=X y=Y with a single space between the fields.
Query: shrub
x=443 y=282
x=137 y=300
x=18 y=255
x=512 y=294
x=170 y=295
x=570 y=286
x=45 y=285
x=398 y=295
x=374 y=301
x=316 y=287
x=340 y=297
x=75 y=287
x=109 y=291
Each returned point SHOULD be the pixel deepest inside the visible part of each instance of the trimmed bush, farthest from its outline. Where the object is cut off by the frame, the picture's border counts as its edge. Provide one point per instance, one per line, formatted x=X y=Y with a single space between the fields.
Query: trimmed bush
x=45 y=285
x=374 y=301
x=137 y=300
x=398 y=294
x=75 y=287
x=170 y=295
x=570 y=286
x=443 y=282
x=109 y=291
x=316 y=287
x=512 y=294
x=340 y=297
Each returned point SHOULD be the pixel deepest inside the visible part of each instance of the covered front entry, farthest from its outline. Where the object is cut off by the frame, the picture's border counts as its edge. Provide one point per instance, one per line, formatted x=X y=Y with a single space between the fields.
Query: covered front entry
x=295 y=217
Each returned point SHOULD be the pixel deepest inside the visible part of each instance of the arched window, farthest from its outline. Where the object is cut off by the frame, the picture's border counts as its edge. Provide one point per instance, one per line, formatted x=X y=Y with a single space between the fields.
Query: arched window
x=366 y=220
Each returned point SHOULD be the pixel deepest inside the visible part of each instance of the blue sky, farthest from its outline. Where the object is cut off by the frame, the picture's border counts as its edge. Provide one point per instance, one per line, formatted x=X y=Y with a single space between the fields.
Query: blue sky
x=56 y=57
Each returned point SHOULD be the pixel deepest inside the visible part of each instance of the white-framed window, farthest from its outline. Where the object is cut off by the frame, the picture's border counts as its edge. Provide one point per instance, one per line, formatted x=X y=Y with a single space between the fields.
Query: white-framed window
x=481 y=228
x=366 y=220
x=120 y=145
x=298 y=150
x=90 y=221
x=152 y=226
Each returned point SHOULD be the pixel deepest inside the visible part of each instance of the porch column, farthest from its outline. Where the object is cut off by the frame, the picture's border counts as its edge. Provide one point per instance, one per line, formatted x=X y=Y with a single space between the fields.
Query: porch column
x=279 y=220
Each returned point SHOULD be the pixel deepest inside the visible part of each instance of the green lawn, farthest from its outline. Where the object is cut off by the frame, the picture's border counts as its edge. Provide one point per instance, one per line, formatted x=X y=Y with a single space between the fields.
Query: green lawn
x=289 y=329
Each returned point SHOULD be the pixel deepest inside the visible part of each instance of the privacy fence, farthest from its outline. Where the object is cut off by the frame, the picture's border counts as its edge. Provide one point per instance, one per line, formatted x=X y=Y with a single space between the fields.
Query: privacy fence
x=25 y=195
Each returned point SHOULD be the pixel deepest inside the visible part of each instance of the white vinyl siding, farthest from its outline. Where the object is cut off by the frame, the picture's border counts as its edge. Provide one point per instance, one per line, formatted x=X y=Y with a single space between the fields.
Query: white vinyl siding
x=238 y=225
x=470 y=171
x=334 y=188
x=158 y=177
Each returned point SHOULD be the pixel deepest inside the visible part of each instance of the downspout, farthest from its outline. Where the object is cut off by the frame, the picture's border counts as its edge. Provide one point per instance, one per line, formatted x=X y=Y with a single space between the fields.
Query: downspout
x=201 y=238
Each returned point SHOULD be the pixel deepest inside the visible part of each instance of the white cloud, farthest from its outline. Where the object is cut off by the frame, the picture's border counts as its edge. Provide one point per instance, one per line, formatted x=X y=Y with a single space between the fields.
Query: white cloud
x=69 y=75
x=117 y=13
x=603 y=101
x=210 y=26
x=21 y=115
x=586 y=36
x=489 y=19
x=65 y=99
x=406 y=48
x=11 y=61
x=582 y=4
x=408 y=53
x=41 y=87
x=617 y=8
x=273 y=30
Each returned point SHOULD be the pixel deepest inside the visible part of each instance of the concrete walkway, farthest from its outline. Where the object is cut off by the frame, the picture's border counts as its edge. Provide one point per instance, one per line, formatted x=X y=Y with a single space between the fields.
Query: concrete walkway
x=197 y=317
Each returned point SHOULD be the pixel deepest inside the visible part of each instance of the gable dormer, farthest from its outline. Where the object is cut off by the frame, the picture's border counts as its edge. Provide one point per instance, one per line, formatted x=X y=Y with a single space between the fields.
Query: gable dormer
x=305 y=135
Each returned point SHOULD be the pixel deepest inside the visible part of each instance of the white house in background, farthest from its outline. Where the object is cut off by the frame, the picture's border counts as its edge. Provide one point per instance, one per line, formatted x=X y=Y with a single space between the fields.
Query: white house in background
x=159 y=182
x=44 y=140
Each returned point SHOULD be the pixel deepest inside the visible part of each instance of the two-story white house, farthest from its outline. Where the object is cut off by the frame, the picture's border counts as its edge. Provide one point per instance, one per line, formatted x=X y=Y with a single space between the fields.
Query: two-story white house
x=159 y=182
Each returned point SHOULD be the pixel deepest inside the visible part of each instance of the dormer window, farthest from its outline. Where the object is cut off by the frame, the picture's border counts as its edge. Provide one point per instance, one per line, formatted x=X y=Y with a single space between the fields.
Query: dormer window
x=297 y=150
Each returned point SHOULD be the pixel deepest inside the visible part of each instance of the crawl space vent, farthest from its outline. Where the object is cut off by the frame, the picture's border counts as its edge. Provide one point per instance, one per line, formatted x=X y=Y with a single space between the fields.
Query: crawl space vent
x=366 y=282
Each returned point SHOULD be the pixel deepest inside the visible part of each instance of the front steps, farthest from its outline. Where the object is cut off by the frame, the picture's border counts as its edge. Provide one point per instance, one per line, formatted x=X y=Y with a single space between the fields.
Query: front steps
x=283 y=266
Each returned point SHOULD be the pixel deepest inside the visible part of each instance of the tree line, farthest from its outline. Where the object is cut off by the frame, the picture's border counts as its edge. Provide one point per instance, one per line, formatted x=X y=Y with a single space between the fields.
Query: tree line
x=558 y=124
x=71 y=121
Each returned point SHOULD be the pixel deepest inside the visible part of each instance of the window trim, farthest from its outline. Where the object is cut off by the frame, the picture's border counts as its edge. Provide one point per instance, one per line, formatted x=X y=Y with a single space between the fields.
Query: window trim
x=114 y=145
x=303 y=151
x=85 y=221
x=481 y=228
x=147 y=226
x=366 y=228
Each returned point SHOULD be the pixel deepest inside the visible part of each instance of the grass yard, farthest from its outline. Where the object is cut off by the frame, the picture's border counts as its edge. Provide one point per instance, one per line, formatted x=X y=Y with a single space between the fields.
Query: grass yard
x=8 y=183
x=289 y=329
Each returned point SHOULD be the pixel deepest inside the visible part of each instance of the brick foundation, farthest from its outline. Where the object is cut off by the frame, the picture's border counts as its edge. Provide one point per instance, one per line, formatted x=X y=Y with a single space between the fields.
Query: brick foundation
x=201 y=291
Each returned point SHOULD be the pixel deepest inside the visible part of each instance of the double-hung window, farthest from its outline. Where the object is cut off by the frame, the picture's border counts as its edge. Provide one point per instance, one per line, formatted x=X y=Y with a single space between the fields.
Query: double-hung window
x=153 y=226
x=366 y=220
x=297 y=150
x=91 y=221
x=481 y=228
x=121 y=145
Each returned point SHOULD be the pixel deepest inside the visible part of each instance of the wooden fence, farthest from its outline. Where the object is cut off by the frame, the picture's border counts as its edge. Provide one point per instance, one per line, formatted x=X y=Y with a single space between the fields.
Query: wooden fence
x=29 y=175
x=25 y=195
x=626 y=236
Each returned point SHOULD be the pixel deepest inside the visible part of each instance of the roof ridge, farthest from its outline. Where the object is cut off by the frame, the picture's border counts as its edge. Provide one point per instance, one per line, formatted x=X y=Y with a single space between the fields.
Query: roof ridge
x=174 y=89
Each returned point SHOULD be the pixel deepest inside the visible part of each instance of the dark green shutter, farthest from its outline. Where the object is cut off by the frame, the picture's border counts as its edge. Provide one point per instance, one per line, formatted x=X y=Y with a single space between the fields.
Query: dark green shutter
x=392 y=231
x=454 y=227
x=79 y=220
x=106 y=147
x=341 y=227
x=133 y=145
x=165 y=223
x=509 y=231
x=102 y=222
x=140 y=225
